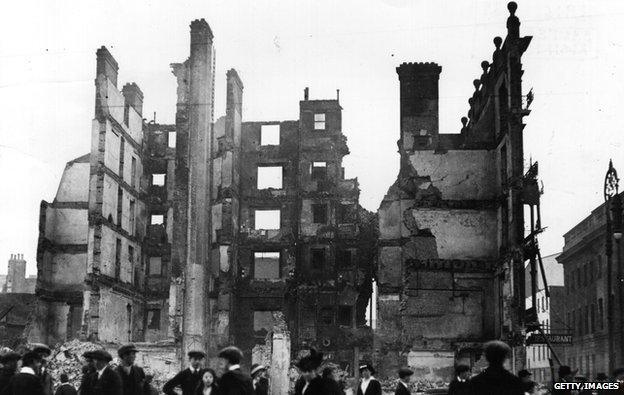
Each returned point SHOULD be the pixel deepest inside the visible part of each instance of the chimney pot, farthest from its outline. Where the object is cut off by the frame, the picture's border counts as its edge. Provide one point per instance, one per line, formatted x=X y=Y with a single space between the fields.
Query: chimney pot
x=306 y=93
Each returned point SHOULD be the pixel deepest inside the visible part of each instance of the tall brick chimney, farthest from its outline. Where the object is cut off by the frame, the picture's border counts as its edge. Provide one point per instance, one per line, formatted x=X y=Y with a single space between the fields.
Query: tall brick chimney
x=107 y=65
x=133 y=96
x=419 y=98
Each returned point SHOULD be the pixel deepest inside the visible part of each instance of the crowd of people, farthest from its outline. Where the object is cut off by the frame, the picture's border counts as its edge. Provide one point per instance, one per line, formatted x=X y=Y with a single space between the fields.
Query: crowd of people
x=100 y=377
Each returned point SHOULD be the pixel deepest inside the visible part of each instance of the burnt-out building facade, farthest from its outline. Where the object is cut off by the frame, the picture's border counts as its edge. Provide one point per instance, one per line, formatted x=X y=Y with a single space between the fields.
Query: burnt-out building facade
x=205 y=233
x=450 y=263
x=302 y=253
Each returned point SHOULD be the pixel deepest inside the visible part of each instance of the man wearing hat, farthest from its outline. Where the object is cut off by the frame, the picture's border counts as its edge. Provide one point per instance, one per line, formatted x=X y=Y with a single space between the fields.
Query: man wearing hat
x=260 y=382
x=9 y=367
x=189 y=378
x=27 y=380
x=89 y=375
x=132 y=376
x=234 y=381
x=46 y=379
x=495 y=379
x=108 y=381
x=405 y=375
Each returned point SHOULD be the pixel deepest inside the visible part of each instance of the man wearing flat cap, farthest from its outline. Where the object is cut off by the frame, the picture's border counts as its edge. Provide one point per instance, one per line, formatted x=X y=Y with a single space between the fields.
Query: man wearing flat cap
x=27 y=381
x=189 y=378
x=46 y=379
x=9 y=361
x=108 y=381
x=234 y=381
x=89 y=375
x=368 y=384
x=405 y=374
x=132 y=376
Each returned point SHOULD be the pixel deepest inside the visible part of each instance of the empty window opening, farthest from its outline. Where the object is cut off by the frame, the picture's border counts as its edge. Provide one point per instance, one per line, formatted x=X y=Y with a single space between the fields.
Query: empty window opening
x=318 y=258
x=326 y=315
x=266 y=265
x=133 y=169
x=153 y=319
x=157 y=219
x=118 y=259
x=122 y=147
x=264 y=321
x=267 y=219
x=319 y=171
x=319 y=121
x=171 y=140
x=344 y=315
x=155 y=266
x=158 y=179
x=346 y=213
x=132 y=215
x=119 y=206
x=270 y=135
x=270 y=177
x=344 y=258
x=319 y=213
x=126 y=114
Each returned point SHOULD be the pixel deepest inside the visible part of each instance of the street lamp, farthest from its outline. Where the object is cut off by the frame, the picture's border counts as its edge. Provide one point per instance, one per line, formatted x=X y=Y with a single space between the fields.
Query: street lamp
x=613 y=207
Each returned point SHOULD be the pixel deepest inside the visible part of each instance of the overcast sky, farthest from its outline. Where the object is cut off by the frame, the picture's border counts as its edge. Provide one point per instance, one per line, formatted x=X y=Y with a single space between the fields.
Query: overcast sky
x=47 y=66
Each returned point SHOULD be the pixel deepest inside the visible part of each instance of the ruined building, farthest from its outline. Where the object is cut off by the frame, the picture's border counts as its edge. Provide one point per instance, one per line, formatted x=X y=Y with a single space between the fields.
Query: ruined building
x=201 y=234
x=451 y=265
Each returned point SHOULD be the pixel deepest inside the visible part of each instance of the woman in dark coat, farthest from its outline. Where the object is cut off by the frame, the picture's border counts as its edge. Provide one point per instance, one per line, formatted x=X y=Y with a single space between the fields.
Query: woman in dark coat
x=208 y=384
x=310 y=382
x=368 y=384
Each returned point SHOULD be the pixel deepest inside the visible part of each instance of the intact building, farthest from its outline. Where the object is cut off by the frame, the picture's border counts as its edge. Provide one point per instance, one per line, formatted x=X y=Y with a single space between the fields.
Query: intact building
x=203 y=234
x=451 y=264
x=585 y=272
x=550 y=315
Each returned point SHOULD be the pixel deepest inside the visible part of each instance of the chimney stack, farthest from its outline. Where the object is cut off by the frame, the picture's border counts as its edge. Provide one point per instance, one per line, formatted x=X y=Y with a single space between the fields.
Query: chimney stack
x=306 y=93
x=107 y=65
x=419 y=98
x=337 y=95
x=133 y=97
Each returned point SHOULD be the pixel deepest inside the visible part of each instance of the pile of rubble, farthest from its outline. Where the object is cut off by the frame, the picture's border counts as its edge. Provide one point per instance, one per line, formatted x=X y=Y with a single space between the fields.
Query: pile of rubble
x=67 y=358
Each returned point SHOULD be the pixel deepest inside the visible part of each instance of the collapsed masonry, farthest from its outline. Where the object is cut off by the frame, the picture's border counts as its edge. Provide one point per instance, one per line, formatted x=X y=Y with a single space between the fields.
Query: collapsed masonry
x=202 y=234
x=451 y=265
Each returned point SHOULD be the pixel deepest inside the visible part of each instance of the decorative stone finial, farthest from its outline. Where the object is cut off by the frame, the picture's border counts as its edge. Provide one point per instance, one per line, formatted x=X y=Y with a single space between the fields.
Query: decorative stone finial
x=484 y=65
x=464 y=121
x=512 y=6
x=476 y=84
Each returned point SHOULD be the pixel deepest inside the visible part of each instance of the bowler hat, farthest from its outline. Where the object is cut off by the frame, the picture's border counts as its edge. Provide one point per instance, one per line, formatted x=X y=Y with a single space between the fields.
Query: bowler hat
x=405 y=372
x=101 y=355
x=126 y=349
x=197 y=354
x=41 y=348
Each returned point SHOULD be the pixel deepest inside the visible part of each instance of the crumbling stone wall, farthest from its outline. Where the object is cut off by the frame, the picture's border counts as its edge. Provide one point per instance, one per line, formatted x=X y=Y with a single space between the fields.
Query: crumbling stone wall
x=451 y=226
